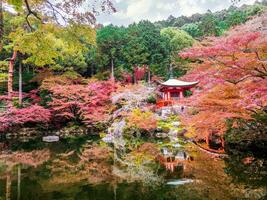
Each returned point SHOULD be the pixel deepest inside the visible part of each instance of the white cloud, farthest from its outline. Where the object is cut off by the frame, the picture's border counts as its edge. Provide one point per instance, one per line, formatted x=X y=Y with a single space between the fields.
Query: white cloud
x=106 y=23
x=135 y=10
x=120 y=14
x=139 y=9
x=166 y=6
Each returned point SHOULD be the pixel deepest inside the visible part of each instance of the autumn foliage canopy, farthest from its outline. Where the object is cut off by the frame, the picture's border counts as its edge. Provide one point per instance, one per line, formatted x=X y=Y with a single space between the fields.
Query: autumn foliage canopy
x=80 y=103
x=84 y=103
x=18 y=117
x=232 y=71
x=142 y=120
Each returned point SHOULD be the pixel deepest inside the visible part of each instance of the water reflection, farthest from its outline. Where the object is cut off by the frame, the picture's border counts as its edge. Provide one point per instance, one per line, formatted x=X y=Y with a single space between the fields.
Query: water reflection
x=84 y=168
x=249 y=167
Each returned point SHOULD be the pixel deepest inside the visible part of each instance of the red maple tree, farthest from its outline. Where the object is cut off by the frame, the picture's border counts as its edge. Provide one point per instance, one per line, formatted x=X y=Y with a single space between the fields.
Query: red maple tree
x=19 y=117
x=232 y=72
x=82 y=103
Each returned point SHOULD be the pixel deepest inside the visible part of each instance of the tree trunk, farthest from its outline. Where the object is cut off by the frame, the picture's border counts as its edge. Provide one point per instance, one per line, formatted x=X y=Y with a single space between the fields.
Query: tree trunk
x=208 y=140
x=20 y=83
x=19 y=181
x=171 y=71
x=112 y=70
x=223 y=142
x=149 y=75
x=115 y=191
x=8 y=186
x=1 y=25
x=135 y=74
x=10 y=74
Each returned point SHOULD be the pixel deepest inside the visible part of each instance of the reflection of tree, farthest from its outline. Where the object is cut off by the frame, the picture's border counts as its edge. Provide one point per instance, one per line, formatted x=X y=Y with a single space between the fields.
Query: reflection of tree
x=19 y=181
x=33 y=158
x=91 y=164
x=246 y=146
x=211 y=182
x=84 y=173
x=247 y=169
x=138 y=165
x=8 y=186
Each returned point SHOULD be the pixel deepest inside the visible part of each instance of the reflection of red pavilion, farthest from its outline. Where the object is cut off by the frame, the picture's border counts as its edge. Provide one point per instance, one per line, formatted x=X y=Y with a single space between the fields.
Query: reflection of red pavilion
x=173 y=90
x=171 y=163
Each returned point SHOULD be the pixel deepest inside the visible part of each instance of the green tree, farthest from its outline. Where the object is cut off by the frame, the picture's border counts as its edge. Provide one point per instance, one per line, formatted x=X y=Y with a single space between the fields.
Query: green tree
x=255 y=9
x=110 y=42
x=192 y=29
x=136 y=52
x=140 y=43
x=236 y=17
x=176 y=40
x=145 y=42
x=49 y=45
x=208 y=25
x=153 y=41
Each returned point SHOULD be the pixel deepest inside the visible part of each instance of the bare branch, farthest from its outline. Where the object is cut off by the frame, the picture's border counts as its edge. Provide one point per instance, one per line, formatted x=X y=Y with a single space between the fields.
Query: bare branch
x=57 y=11
x=235 y=82
x=31 y=12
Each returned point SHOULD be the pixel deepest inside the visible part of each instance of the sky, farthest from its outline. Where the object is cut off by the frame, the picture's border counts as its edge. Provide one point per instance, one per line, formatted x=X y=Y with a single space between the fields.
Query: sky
x=129 y=11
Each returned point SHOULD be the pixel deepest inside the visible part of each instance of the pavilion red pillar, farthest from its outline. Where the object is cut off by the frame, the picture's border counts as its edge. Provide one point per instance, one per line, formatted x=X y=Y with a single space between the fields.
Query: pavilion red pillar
x=181 y=94
x=165 y=96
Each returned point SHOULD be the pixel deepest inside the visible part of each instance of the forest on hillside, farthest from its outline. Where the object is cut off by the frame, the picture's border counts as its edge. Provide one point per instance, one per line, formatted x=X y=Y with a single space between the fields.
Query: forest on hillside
x=144 y=43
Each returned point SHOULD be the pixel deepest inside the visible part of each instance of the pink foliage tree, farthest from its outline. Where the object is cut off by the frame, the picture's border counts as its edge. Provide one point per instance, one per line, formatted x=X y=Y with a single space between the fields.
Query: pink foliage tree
x=18 y=117
x=127 y=77
x=139 y=73
x=232 y=72
x=82 y=103
x=237 y=59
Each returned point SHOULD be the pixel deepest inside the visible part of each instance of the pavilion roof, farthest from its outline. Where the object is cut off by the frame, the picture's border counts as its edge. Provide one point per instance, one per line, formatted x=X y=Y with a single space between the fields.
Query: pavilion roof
x=177 y=83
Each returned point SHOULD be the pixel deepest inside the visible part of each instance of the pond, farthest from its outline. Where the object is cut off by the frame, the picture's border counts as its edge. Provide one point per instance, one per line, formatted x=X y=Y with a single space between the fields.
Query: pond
x=86 y=168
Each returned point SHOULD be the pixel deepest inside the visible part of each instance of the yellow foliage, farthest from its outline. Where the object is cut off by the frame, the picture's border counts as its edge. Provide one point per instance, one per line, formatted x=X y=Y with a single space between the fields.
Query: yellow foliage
x=142 y=120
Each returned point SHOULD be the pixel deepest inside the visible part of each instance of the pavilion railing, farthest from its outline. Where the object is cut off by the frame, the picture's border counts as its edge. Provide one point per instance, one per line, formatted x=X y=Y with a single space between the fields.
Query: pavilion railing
x=164 y=103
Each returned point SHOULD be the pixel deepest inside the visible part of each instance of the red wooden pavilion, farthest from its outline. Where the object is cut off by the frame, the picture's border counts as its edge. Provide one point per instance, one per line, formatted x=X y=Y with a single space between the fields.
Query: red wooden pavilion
x=172 y=91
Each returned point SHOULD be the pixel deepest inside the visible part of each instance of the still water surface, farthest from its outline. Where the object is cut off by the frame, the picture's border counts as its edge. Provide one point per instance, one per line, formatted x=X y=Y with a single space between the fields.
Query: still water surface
x=84 y=168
